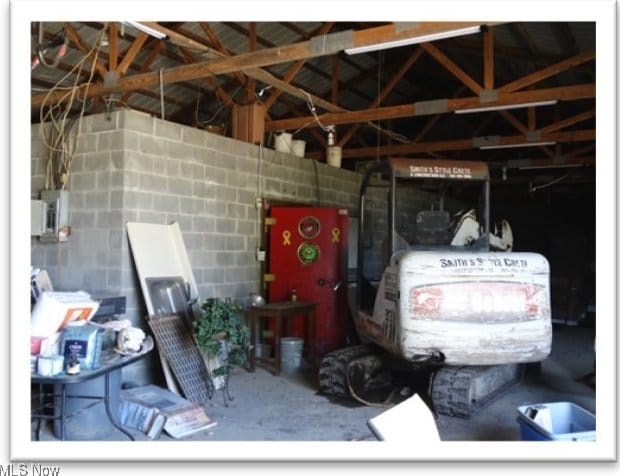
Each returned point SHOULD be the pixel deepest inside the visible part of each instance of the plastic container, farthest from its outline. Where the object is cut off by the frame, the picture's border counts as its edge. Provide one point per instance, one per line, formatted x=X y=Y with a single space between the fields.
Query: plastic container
x=290 y=353
x=334 y=156
x=560 y=421
x=284 y=142
x=299 y=147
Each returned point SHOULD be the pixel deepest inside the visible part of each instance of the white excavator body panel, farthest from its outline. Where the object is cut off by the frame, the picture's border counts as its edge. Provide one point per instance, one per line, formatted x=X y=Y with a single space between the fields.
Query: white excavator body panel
x=483 y=308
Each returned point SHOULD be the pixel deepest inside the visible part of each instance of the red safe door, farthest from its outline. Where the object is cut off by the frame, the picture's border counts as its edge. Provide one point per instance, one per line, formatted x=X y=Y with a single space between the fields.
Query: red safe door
x=308 y=253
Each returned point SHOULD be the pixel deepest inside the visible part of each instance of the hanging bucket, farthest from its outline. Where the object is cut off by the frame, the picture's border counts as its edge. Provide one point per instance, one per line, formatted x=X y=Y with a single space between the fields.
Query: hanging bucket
x=334 y=156
x=284 y=142
x=299 y=147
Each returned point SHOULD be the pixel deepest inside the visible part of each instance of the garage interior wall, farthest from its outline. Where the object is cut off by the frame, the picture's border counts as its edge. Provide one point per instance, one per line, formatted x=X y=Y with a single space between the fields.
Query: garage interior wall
x=130 y=166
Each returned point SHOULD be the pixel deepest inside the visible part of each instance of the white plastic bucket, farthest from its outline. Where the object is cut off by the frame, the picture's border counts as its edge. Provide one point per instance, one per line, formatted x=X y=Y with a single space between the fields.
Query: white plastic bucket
x=334 y=156
x=284 y=142
x=299 y=147
x=290 y=353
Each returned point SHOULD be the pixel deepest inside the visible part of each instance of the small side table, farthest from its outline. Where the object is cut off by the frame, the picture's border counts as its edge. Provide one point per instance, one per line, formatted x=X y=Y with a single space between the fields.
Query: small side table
x=281 y=312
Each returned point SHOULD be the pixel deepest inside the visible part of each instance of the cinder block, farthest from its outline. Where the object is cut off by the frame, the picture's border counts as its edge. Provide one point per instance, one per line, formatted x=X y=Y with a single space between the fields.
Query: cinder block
x=97 y=161
x=82 y=219
x=236 y=211
x=203 y=190
x=184 y=221
x=102 y=122
x=96 y=281
x=166 y=203
x=225 y=225
x=97 y=200
x=201 y=224
x=225 y=259
x=247 y=197
x=168 y=130
x=131 y=140
x=136 y=121
x=180 y=187
x=154 y=183
x=88 y=143
x=190 y=206
x=235 y=243
x=145 y=216
x=109 y=219
x=173 y=168
x=214 y=175
x=112 y=140
x=225 y=194
x=151 y=145
x=82 y=182
x=191 y=135
x=131 y=180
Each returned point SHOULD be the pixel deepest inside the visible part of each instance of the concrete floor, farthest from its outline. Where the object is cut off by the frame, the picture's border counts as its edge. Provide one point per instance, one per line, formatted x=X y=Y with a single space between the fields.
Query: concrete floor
x=269 y=408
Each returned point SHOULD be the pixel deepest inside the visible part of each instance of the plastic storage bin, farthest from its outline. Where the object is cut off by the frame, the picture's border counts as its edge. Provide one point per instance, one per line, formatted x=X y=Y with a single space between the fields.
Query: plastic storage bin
x=560 y=421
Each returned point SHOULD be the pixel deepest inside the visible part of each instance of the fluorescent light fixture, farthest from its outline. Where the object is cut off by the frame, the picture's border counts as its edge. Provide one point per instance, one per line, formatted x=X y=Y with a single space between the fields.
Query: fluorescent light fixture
x=553 y=166
x=511 y=146
x=413 y=40
x=147 y=29
x=503 y=107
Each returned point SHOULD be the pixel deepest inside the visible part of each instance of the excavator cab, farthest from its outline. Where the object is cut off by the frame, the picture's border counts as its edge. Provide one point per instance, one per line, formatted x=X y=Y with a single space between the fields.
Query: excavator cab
x=426 y=205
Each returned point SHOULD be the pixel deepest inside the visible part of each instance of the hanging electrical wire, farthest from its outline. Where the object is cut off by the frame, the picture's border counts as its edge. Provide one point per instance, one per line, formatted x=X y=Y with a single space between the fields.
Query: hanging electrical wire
x=553 y=182
x=59 y=131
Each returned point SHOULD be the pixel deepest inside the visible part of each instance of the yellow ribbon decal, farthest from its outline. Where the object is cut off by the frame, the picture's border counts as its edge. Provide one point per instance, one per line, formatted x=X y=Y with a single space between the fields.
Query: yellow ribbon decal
x=286 y=235
x=335 y=235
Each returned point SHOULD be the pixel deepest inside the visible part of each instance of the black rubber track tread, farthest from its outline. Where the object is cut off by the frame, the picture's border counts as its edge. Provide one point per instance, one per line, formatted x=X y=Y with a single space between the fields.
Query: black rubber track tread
x=451 y=391
x=334 y=368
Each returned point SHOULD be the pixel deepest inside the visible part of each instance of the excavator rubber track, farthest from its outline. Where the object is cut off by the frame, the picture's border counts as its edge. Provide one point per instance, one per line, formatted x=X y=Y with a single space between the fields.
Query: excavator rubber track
x=463 y=391
x=334 y=369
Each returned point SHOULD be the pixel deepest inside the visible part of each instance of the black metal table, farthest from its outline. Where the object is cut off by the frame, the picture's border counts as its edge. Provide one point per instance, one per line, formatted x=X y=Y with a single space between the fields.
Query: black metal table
x=111 y=361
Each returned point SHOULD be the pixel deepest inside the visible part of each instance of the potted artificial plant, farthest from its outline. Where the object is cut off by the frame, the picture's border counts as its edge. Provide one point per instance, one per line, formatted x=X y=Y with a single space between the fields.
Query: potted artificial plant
x=222 y=335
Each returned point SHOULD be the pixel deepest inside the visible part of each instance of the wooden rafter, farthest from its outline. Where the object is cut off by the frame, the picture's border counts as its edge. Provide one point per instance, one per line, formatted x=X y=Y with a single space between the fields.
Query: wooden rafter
x=434 y=119
x=451 y=66
x=384 y=92
x=132 y=52
x=570 y=121
x=219 y=91
x=581 y=91
x=579 y=151
x=551 y=70
x=255 y=73
x=156 y=48
x=113 y=48
x=488 y=57
x=295 y=68
x=335 y=63
x=259 y=59
x=251 y=84
x=77 y=41
x=463 y=144
x=217 y=44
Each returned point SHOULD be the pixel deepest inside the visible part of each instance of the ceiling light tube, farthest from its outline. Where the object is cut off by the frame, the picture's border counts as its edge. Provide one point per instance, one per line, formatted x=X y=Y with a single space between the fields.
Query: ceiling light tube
x=503 y=107
x=511 y=146
x=553 y=166
x=414 y=40
x=147 y=29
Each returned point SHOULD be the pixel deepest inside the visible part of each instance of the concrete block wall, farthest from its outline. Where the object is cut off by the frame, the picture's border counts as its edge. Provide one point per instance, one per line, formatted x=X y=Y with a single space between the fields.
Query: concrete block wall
x=133 y=167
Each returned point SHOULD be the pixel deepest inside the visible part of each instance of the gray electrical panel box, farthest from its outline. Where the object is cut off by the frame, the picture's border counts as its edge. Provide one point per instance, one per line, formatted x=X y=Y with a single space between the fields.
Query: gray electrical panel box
x=38 y=217
x=56 y=223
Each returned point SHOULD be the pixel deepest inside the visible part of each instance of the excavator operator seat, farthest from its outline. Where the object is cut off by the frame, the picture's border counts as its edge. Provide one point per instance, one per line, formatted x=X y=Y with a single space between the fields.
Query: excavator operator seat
x=432 y=227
